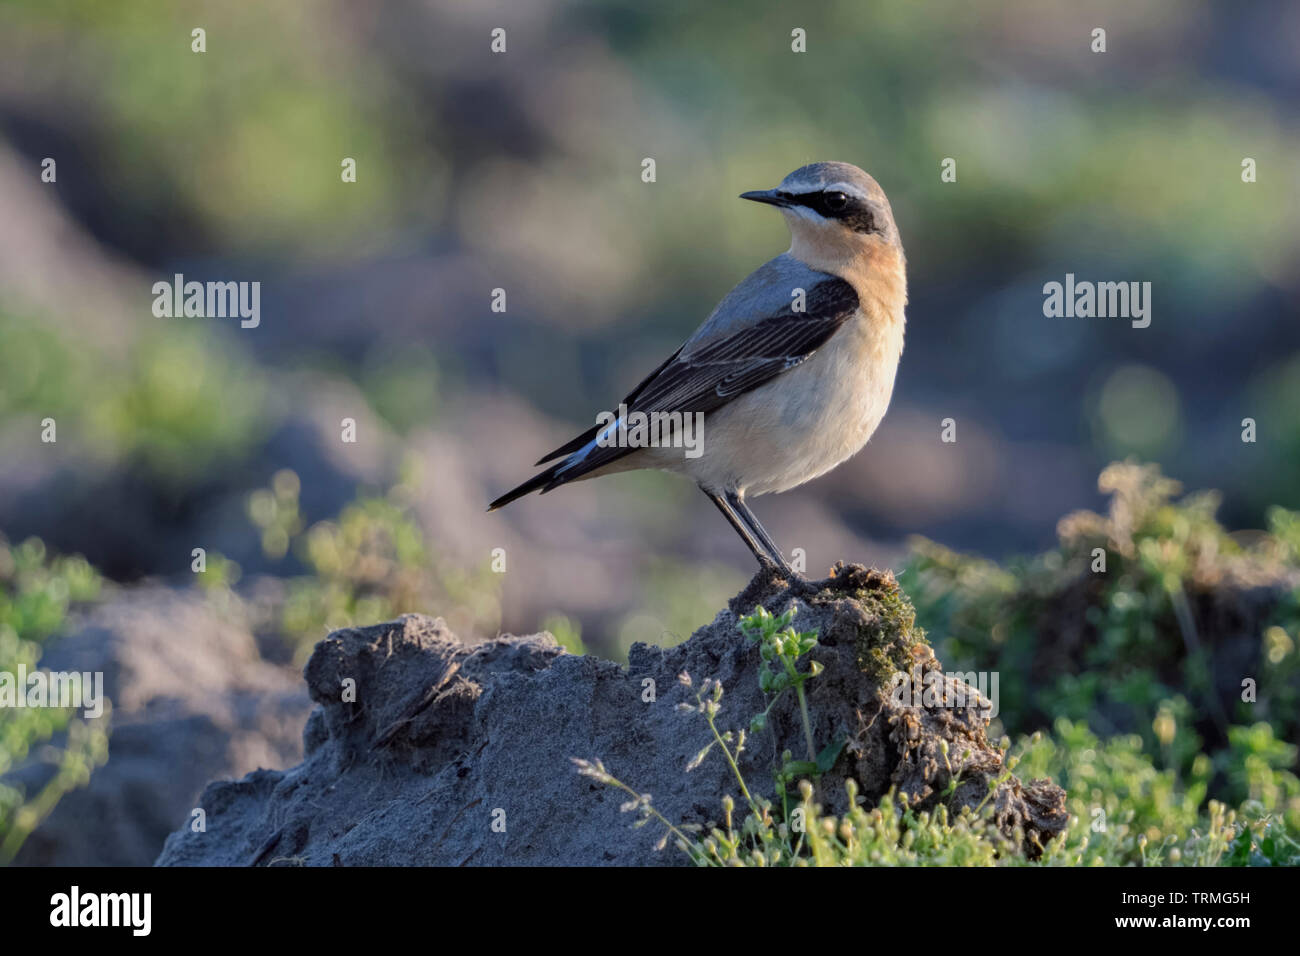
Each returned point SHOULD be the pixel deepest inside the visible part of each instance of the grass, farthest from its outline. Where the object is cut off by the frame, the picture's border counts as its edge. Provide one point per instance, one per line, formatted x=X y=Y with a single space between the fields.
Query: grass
x=36 y=593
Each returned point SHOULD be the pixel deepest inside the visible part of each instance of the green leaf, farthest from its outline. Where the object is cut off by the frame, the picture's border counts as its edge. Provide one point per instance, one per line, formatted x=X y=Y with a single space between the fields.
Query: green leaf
x=831 y=753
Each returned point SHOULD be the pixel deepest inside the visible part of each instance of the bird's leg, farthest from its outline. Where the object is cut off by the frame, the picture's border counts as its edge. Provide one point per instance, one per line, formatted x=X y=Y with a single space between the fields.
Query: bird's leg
x=764 y=559
x=737 y=502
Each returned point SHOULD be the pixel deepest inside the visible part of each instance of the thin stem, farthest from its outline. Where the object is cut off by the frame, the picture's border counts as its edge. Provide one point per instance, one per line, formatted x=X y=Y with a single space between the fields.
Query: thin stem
x=796 y=679
x=1187 y=625
x=732 y=763
x=652 y=811
x=807 y=724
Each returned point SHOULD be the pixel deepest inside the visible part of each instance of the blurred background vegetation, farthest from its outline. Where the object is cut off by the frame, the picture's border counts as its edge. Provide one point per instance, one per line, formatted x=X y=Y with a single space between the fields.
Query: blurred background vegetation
x=1168 y=676
x=35 y=595
x=521 y=171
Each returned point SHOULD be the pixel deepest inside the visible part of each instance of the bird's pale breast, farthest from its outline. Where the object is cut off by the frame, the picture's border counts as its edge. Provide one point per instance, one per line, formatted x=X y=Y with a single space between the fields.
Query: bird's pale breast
x=806 y=421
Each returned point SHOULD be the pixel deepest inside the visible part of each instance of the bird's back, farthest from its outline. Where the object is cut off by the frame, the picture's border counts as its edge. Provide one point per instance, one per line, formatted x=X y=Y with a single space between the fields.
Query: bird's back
x=767 y=291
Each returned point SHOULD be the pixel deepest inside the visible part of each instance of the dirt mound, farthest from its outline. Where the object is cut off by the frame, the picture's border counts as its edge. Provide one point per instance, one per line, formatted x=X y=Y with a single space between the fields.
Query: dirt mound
x=427 y=751
x=192 y=699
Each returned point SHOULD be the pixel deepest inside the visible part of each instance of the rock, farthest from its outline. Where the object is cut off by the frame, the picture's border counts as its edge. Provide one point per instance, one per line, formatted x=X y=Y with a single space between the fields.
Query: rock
x=451 y=754
x=192 y=699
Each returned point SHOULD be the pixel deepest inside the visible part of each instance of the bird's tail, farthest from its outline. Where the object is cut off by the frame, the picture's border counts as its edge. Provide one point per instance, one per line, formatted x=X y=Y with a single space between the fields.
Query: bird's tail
x=539 y=480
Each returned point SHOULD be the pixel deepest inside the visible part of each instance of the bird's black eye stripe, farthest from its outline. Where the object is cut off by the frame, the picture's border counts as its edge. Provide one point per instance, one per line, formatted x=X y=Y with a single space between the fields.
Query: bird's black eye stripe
x=852 y=211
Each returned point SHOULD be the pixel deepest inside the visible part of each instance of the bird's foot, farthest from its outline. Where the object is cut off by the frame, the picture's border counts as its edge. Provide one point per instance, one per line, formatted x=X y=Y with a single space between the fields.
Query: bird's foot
x=781 y=569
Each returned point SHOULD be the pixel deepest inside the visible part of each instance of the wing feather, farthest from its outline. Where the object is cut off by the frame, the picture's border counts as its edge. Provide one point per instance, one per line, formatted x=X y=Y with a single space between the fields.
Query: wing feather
x=711 y=370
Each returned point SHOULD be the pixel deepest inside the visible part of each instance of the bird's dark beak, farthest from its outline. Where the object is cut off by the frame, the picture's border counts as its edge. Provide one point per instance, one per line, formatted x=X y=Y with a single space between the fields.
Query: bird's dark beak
x=769 y=196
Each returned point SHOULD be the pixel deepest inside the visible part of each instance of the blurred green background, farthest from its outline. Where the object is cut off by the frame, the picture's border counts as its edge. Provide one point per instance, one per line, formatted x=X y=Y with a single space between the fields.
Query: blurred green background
x=522 y=171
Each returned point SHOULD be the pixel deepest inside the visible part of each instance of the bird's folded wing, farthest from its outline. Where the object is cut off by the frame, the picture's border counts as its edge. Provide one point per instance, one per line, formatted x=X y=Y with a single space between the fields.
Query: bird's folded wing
x=728 y=358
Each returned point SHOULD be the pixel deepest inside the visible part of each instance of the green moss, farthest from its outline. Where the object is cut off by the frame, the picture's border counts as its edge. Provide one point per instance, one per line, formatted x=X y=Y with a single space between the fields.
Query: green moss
x=888 y=640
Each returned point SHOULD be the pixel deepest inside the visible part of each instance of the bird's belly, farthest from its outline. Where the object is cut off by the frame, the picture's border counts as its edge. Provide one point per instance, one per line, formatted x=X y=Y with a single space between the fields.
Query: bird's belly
x=807 y=420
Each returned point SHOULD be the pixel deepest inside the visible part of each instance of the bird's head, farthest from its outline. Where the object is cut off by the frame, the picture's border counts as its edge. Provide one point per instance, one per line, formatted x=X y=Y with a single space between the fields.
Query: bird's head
x=837 y=215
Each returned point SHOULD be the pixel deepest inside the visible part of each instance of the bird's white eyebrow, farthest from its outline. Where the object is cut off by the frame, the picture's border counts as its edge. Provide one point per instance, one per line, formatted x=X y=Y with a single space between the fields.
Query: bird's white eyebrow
x=804 y=188
x=799 y=186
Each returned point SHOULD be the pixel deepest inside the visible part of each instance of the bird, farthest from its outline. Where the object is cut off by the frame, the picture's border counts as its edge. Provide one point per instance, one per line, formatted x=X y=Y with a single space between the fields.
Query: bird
x=792 y=372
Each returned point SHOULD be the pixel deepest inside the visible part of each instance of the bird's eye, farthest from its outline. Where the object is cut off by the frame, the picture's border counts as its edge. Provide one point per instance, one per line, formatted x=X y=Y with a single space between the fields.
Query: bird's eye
x=835 y=201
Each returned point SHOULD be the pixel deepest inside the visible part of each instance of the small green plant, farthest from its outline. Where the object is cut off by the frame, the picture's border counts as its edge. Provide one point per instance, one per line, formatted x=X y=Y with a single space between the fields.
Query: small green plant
x=371 y=563
x=780 y=646
x=759 y=837
x=36 y=593
x=566 y=631
x=1131 y=616
x=1127 y=811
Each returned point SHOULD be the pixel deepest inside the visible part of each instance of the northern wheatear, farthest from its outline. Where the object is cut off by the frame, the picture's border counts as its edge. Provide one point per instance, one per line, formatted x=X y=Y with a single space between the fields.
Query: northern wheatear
x=787 y=392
